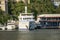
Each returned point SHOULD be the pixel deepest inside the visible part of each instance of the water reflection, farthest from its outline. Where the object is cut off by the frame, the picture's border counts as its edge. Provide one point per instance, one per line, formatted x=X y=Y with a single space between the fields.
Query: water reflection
x=42 y=34
x=5 y=35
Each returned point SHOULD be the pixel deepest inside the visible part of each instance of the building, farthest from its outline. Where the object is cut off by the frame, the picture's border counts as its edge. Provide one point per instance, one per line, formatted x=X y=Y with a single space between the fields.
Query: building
x=49 y=20
x=56 y=2
x=3 y=5
x=26 y=20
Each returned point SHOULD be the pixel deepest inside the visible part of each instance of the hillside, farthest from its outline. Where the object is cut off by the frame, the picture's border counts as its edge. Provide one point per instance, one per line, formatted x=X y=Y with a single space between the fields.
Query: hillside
x=36 y=6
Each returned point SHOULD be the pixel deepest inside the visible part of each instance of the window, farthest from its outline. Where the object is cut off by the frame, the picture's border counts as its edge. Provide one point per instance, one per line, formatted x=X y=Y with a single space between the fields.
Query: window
x=0 y=2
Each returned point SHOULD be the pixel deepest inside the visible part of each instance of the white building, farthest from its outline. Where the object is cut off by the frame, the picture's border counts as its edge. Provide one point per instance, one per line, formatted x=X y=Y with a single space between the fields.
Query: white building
x=56 y=2
x=25 y=19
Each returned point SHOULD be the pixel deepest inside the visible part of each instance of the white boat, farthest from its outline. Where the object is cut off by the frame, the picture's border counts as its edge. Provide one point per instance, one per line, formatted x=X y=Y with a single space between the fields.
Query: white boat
x=25 y=19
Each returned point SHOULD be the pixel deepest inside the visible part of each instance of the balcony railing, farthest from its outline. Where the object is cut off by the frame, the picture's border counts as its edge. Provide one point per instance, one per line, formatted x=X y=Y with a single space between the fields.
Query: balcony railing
x=51 y=20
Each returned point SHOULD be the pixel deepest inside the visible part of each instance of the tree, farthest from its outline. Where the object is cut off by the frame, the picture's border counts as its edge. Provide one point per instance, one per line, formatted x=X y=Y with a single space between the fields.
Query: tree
x=15 y=8
x=36 y=6
x=3 y=17
x=43 y=6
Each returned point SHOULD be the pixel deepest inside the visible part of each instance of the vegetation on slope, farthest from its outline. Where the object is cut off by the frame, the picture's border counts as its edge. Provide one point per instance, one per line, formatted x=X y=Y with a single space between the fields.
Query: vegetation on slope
x=36 y=7
x=3 y=17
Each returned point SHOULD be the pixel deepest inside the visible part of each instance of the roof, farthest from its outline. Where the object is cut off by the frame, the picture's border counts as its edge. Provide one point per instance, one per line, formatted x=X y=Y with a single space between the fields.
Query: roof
x=49 y=15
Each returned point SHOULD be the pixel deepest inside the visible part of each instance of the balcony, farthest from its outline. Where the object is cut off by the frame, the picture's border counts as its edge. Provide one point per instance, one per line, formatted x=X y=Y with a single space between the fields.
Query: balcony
x=51 y=20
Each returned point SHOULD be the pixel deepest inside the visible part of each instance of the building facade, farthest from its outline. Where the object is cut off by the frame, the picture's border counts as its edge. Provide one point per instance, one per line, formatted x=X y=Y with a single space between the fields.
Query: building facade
x=4 y=5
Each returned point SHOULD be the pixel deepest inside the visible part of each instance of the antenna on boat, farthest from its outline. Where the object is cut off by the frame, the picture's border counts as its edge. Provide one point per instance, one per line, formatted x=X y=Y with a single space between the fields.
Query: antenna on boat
x=25 y=9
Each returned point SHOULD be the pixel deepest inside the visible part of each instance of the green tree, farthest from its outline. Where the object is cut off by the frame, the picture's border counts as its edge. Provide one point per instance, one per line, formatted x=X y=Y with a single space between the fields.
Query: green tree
x=3 y=17
x=43 y=6
x=15 y=8
x=36 y=6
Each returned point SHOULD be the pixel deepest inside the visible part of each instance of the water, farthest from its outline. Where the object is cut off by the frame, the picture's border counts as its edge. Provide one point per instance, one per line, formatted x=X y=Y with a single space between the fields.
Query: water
x=42 y=34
